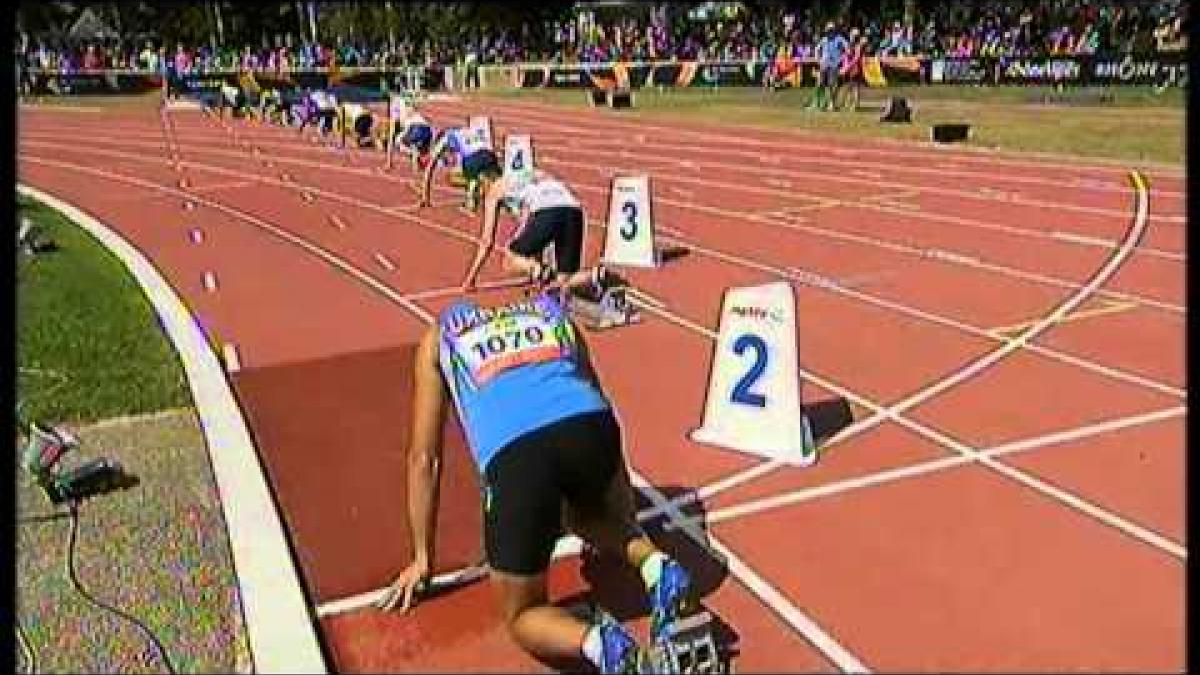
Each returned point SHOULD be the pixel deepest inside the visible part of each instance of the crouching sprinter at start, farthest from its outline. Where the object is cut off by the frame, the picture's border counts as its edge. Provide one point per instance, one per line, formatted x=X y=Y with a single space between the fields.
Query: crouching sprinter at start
x=546 y=212
x=548 y=448
x=234 y=99
x=271 y=107
x=322 y=106
x=413 y=132
x=470 y=148
x=355 y=120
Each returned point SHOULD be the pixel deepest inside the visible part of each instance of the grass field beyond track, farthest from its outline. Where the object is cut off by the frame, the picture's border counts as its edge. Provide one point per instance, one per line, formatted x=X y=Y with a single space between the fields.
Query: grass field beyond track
x=1135 y=124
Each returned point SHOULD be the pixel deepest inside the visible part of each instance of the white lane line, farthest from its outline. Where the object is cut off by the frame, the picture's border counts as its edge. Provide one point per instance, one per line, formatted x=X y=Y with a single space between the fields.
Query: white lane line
x=893 y=412
x=1133 y=235
x=750 y=264
x=1083 y=239
x=225 y=186
x=988 y=158
x=565 y=547
x=1006 y=348
x=783 y=607
x=314 y=249
x=282 y=638
x=336 y=222
x=950 y=256
x=510 y=282
x=196 y=235
x=210 y=282
x=923 y=468
x=766 y=593
x=383 y=262
x=233 y=362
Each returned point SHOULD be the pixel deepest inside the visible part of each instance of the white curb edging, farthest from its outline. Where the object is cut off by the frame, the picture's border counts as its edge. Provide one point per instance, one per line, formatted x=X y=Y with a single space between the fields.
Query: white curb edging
x=279 y=623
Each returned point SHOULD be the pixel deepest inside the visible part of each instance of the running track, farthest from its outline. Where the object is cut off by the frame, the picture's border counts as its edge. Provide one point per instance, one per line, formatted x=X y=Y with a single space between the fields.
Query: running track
x=992 y=505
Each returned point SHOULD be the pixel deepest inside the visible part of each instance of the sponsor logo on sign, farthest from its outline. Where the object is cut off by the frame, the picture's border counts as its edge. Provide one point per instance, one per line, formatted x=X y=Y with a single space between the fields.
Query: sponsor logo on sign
x=757 y=313
x=1049 y=69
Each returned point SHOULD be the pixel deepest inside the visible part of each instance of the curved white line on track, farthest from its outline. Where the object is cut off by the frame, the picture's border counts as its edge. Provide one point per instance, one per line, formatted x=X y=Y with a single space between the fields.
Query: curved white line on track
x=740 y=570
x=278 y=232
x=893 y=412
x=705 y=143
x=870 y=203
x=918 y=314
x=282 y=635
x=835 y=234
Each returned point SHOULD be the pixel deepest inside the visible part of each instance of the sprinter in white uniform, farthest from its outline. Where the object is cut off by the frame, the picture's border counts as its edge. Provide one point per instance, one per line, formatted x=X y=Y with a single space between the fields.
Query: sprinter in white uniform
x=356 y=120
x=547 y=212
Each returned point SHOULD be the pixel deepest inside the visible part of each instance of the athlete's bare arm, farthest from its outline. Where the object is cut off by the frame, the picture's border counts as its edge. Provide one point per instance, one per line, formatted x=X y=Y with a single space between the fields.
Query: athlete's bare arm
x=424 y=471
x=487 y=235
x=435 y=153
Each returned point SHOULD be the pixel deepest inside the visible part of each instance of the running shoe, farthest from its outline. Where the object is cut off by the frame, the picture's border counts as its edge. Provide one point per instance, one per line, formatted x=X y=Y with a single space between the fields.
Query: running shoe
x=672 y=597
x=620 y=653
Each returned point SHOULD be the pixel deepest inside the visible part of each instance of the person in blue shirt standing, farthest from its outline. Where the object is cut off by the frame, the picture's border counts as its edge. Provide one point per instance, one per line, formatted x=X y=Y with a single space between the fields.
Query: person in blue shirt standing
x=544 y=437
x=830 y=49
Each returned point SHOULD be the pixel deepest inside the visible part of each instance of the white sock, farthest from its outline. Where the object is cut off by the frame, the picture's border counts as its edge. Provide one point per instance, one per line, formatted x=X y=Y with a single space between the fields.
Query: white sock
x=593 y=646
x=651 y=568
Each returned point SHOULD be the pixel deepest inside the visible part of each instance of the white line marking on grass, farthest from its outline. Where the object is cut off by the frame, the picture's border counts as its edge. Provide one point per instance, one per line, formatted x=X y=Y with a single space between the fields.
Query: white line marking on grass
x=282 y=636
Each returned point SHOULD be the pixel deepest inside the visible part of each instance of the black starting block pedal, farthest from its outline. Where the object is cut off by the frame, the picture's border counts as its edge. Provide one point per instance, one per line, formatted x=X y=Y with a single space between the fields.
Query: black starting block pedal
x=688 y=647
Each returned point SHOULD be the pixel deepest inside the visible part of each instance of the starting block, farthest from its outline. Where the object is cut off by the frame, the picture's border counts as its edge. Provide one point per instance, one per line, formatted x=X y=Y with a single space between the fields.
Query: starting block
x=611 y=310
x=689 y=647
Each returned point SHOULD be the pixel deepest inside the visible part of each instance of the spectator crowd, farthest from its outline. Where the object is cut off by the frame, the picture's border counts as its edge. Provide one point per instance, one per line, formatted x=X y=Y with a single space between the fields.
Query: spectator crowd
x=988 y=28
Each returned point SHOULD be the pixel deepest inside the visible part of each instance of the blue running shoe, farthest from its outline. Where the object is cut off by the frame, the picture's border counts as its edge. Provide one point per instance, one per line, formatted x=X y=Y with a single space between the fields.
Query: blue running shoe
x=621 y=653
x=671 y=597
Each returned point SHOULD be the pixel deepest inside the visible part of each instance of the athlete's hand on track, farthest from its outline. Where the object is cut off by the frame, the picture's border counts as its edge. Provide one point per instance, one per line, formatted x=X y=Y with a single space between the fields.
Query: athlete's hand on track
x=405 y=587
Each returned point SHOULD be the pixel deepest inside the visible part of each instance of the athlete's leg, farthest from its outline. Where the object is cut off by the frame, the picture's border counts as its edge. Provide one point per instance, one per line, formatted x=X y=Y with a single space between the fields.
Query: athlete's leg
x=607 y=519
x=522 y=519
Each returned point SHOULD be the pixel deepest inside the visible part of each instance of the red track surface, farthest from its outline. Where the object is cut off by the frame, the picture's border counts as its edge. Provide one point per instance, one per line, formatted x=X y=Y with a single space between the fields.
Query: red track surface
x=963 y=567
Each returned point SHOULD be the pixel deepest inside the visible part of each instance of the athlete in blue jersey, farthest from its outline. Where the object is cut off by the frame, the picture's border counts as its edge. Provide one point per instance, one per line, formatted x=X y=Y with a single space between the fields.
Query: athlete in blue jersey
x=544 y=436
x=474 y=154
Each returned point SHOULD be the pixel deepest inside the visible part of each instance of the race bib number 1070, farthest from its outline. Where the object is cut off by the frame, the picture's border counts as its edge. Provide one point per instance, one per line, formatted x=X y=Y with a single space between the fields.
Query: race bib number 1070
x=503 y=344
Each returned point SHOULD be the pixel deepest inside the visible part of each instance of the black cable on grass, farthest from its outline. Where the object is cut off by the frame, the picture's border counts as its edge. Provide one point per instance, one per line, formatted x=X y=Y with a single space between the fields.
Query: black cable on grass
x=74 y=511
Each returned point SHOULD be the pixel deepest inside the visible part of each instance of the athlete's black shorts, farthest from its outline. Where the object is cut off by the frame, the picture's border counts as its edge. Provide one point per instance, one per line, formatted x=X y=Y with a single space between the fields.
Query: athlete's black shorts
x=526 y=483
x=562 y=225
x=362 y=125
x=481 y=163
x=418 y=136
